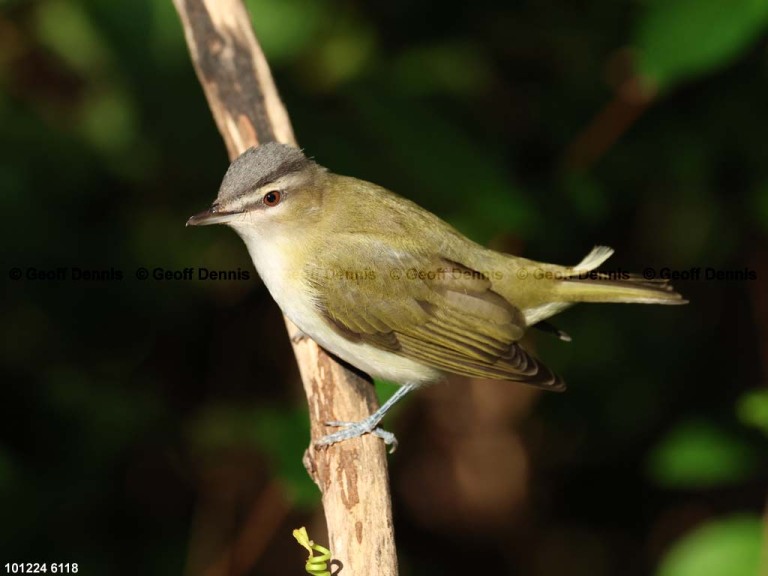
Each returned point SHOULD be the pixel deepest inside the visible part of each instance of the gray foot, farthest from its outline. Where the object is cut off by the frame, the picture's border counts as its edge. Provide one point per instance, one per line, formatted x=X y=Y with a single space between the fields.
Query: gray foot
x=368 y=426
x=351 y=430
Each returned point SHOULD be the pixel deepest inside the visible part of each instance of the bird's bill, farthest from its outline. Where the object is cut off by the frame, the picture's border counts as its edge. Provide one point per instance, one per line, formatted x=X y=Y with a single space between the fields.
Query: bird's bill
x=211 y=216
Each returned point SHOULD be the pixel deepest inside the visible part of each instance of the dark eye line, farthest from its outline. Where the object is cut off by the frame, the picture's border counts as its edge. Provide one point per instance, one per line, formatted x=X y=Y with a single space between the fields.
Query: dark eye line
x=259 y=204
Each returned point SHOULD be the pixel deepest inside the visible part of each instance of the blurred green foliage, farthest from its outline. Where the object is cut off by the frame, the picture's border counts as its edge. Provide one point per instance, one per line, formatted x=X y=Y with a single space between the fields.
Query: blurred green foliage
x=678 y=40
x=127 y=407
x=728 y=547
x=752 y=409
x=699 y=455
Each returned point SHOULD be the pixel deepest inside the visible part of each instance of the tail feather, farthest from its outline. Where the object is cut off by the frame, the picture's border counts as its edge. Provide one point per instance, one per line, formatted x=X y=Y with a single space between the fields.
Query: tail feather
x=595 y=258
x=630 y=291
x=601 y=287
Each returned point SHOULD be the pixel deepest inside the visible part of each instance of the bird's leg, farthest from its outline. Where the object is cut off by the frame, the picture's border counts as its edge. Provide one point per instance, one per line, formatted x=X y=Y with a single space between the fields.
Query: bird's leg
x=369 y=425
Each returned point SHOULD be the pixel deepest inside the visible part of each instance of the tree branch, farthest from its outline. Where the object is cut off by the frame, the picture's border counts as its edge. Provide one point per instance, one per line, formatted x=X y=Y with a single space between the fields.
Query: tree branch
x=352 y=475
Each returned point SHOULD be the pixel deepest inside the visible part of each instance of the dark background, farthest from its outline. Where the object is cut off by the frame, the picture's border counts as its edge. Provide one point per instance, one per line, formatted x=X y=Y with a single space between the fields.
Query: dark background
x=157 y=427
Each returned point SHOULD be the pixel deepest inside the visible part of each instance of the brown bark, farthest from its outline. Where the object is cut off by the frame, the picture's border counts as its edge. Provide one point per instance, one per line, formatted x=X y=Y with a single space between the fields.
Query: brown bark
x=351 y=475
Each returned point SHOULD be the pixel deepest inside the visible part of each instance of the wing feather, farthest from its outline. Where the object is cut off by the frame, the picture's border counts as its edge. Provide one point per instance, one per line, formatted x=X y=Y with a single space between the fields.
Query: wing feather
x=436 y=311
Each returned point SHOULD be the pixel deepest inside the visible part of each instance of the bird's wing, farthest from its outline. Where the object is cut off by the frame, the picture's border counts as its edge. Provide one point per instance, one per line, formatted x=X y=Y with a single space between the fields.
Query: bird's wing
x=429 y=309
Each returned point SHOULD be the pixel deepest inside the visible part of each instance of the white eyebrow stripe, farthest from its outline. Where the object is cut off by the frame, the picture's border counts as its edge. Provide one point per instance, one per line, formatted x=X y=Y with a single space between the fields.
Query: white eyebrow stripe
x=252 y=197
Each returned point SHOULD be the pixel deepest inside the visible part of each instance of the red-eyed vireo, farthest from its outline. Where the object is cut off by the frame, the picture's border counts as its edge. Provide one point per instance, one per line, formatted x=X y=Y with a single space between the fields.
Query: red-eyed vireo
x=392 y=289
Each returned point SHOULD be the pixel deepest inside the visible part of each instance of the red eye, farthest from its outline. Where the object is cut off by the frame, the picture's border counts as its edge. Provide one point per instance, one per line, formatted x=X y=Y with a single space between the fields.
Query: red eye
x=272 y=198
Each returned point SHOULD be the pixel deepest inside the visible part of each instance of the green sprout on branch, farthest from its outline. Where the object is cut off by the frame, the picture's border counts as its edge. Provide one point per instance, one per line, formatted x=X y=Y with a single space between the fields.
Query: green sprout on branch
x=316 y=565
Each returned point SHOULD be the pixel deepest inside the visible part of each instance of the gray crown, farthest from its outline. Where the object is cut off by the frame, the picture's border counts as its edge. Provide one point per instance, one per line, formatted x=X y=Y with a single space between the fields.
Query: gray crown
x=259 y=166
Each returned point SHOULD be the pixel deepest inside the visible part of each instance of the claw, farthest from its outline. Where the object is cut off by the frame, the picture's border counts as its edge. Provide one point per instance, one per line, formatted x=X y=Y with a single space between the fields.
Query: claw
x=370 y=425
x=355 y=430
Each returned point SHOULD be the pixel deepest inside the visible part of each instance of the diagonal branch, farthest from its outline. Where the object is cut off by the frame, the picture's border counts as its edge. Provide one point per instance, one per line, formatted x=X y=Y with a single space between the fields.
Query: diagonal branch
x=352 y=476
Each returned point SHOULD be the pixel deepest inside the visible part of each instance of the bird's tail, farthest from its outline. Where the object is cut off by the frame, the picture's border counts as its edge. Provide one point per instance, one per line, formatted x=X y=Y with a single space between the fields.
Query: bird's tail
x=582 y=284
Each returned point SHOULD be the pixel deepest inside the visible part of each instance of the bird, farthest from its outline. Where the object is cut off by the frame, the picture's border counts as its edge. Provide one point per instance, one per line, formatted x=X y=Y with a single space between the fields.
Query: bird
x=389 y=287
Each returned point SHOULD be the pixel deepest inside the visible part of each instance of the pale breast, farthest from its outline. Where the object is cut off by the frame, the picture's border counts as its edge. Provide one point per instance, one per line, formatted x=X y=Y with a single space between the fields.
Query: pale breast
x=282 y=277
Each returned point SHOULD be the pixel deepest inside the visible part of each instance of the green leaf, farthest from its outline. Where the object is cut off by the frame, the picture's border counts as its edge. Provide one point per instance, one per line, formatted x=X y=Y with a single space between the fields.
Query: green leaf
x=752 y=409
x=680 y=39
x=729 y=547
x=66 y=29
x=285 y=27
x=697 y=454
